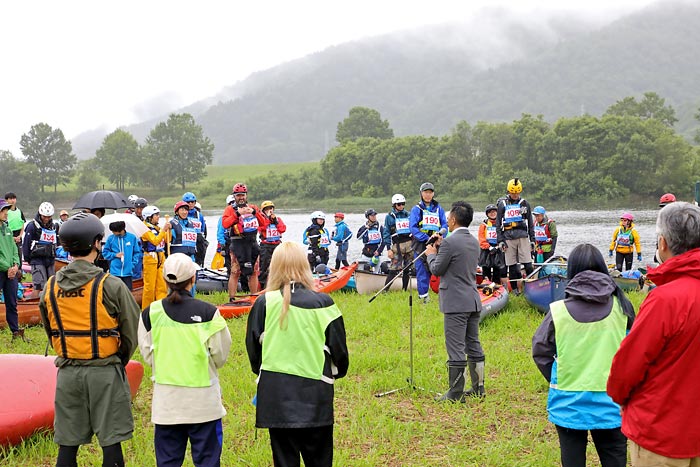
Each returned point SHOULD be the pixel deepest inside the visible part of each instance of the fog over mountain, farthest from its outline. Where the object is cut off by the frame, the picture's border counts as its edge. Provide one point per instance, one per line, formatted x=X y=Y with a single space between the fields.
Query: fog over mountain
x=493 y=67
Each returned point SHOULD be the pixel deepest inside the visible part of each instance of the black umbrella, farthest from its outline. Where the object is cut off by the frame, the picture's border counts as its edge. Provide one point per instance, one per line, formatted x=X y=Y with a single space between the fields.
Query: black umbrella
x=103 y=199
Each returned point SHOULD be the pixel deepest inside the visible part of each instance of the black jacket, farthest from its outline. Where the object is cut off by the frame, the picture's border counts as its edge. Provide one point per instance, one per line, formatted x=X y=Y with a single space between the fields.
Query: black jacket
x=288 y=401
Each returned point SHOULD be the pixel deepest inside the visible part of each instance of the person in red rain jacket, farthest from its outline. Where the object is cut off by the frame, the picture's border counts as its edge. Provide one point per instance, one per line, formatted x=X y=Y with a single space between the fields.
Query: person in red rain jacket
x=655 y=375
x=243 y=220
x=271 y=229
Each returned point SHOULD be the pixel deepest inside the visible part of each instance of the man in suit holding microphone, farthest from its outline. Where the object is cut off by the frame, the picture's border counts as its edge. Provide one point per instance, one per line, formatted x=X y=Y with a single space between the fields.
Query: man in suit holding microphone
x=455 y=263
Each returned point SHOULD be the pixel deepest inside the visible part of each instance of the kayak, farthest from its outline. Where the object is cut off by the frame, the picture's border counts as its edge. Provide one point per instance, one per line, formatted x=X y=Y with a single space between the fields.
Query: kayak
x=368 y=282
x=29 y=382
x=328 y=283
x=336 y=280
x=546 y=284
x=494 y=298
x=209 y=281
x=28 y=310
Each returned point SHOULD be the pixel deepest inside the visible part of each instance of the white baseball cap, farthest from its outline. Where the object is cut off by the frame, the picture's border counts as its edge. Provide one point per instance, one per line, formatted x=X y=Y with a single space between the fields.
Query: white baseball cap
x=179 y=267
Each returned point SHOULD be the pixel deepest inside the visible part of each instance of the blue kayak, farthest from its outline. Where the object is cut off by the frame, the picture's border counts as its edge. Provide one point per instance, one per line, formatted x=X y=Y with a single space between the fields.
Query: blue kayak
x=546 y=284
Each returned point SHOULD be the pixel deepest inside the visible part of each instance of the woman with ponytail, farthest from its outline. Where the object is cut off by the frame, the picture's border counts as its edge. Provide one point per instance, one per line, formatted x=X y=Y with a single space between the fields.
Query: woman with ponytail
x=296 y=344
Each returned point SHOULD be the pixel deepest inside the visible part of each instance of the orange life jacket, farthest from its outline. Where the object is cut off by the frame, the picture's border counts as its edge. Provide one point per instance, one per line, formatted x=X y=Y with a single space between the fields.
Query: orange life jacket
x=81 y=326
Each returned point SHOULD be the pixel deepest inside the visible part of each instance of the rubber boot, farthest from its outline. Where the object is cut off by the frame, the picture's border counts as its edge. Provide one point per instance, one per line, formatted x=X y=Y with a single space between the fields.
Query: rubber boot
x=455 y=373
x=476 y=373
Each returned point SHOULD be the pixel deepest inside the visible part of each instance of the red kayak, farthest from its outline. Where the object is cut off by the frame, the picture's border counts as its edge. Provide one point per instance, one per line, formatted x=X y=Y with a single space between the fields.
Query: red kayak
x=329 y=283
x=28 y=386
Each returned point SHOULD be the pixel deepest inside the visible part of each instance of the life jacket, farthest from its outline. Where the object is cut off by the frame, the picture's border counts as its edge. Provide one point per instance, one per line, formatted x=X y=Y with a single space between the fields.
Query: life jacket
x=149 y=247
x=514 y=213
x=491 y=234
x=400 y=229
x=542 y=234
x=430 y=219
x=246 y=225
x=373 y=235
x=43 y=240
x=77 y=333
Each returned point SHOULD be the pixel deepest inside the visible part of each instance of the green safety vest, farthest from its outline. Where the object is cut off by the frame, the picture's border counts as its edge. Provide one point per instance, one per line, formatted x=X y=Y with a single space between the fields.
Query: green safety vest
x=585 y=350
x=14 y=219
x=180 y=353
x=298 y=347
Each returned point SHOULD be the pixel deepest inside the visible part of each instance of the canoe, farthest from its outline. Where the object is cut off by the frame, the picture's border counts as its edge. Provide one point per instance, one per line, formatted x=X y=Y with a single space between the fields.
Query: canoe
x=493 y=300
x=28 y=310
x=631 y=281
x=209 y=281
x=336 y=280
x=546 y=284
x=330 y=283
x=29 y=383
x=367 y=282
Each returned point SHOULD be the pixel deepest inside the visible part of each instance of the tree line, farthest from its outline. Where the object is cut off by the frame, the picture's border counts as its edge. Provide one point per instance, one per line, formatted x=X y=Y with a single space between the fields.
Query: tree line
x=175 y=153
x=631 y=150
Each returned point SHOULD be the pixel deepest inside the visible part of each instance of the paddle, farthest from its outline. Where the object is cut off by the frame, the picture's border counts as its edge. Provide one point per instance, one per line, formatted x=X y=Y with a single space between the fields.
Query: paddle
x=169 y=236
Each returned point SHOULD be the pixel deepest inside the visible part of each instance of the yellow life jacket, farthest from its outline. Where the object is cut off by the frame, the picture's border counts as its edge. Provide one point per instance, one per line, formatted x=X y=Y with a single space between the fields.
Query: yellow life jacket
x=81 y=326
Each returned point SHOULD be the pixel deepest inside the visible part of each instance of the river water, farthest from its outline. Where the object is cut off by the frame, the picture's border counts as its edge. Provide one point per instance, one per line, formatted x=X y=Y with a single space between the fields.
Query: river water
x=574 y=227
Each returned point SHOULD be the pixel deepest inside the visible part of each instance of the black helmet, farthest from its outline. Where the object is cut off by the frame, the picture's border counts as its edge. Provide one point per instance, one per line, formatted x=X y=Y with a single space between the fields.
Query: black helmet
x=370 y=212
x=79 y=232
x=140 y=203
x=490 y=207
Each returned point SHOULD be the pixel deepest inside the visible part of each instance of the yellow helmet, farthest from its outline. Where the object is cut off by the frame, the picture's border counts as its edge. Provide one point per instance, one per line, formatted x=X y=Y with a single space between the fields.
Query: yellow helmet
x=515 y=186
x=267 y=204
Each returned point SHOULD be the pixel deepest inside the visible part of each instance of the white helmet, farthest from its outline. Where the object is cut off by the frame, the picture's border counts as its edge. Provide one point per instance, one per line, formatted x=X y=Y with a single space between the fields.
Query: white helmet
x=230 y=199
x=198 y=206
x=398 y=198
x=318 y=215
x=149 y=210
x=132 y=198
x=46 y=209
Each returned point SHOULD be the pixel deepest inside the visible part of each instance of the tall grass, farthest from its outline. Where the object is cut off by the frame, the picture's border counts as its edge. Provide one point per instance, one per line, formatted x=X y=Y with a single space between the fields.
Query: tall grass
x=405 y=428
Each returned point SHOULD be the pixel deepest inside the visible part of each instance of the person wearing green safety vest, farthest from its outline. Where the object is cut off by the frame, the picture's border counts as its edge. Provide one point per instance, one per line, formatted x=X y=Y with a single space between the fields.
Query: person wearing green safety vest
x=573 y=348
x=296 y=344
x=185 y=341
x=16 y=221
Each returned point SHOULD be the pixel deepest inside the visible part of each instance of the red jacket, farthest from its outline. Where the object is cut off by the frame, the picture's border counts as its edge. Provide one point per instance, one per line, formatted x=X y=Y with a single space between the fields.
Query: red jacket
x=281 y=228
x=655 y=375
x=231 y=220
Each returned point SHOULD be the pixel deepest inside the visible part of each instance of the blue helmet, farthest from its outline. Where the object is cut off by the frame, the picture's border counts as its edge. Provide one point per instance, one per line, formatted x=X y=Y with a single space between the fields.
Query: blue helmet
x=189 y=196
x=539 y=210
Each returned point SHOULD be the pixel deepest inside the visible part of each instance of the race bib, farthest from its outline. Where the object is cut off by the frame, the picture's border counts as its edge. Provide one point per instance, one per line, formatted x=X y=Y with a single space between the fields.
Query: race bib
x=195 y=223
x=402 y=226
x=325 y=240
x=431 y=221
x=47 y=236
x=250 y=223
x=541 y=233
x=271 y=233
x=373 y=237
x=491 y=235
x=512 y=213
x=624 y=239
x=189 y=237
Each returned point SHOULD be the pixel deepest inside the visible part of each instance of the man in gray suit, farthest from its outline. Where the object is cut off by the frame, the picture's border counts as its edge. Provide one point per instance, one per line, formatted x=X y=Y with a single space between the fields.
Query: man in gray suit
x=455 y=263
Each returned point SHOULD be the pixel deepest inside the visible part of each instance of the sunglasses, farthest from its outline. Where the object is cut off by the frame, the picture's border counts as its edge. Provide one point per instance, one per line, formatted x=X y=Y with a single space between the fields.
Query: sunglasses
x=401 y=204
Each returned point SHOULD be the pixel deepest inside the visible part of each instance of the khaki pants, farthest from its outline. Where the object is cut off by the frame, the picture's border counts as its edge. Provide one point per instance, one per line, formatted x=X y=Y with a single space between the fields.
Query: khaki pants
x=641 y=457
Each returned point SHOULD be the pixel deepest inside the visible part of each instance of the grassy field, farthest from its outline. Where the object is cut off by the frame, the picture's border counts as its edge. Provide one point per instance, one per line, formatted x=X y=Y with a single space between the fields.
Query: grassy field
x=407 y=428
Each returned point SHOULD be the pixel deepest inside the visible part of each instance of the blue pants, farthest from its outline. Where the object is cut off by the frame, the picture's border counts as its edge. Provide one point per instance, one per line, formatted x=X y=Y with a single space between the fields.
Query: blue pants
x=9 y=289
x=205 y=438
x=422 y=275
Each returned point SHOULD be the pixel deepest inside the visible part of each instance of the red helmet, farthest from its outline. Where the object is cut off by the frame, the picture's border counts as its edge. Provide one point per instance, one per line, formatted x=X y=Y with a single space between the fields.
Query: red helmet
x=239 y=188
x=180 y=204
x=667 y=198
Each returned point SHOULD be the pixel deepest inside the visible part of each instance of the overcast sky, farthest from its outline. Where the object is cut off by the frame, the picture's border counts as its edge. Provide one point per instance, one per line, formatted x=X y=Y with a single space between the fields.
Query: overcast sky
x=82 y=64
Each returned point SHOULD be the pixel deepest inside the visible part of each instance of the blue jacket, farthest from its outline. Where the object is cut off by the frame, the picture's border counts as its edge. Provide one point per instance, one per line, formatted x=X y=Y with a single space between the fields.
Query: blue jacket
x=195 y=214
x=416 y=219
x=221 y=233
x=342 y=233
x=390 y=235
x=127 y=244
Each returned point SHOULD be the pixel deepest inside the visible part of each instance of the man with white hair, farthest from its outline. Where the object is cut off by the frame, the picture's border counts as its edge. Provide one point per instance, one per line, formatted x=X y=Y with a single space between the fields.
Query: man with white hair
x=655 y=375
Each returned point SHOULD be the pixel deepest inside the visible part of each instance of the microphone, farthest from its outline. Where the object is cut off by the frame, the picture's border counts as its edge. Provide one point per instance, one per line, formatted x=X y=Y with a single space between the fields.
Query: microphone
x=434 y=238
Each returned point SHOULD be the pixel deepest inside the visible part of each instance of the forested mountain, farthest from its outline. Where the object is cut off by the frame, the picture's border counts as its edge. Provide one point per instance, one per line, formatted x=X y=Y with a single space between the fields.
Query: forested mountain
x=425 y=81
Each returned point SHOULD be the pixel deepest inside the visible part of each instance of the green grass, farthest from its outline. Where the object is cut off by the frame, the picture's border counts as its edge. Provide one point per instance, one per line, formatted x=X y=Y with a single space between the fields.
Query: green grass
x=407 y=428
